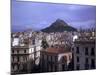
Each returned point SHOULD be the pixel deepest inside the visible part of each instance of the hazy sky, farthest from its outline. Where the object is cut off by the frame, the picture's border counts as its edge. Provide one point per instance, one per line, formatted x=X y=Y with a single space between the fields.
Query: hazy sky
x=40 y=15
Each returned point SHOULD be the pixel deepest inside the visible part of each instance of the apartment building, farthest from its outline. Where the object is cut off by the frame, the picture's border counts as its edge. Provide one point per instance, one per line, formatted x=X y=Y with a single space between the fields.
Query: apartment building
x=25 y=54
x=84 y=54
x=55 y=59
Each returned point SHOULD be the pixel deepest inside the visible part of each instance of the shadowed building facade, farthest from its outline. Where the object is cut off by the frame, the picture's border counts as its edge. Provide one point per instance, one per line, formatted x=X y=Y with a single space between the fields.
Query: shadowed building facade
x=55 y=59
x=84 y=54
x=21 y=59
x=25 y=54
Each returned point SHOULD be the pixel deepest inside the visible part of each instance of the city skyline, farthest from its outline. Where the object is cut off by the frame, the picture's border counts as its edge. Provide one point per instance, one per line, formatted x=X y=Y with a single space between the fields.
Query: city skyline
x=37 y=15
x=62 y=35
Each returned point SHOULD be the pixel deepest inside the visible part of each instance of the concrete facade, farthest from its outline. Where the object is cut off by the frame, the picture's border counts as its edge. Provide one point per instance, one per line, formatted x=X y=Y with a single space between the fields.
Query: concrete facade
x=53 y=62
x=84 y=54
x=21 y=59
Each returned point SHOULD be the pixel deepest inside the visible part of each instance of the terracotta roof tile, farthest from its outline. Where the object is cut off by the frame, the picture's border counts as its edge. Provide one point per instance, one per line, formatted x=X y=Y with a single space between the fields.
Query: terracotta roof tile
x=57 y=50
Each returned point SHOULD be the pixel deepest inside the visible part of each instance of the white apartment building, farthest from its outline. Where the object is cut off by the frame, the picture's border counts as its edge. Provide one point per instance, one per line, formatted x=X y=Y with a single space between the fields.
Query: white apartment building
x=84 y=54
x=21 y=59
x=25 y=54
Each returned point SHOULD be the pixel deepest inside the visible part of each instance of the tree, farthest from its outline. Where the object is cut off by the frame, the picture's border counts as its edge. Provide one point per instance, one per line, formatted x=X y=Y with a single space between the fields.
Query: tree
x=44 y=44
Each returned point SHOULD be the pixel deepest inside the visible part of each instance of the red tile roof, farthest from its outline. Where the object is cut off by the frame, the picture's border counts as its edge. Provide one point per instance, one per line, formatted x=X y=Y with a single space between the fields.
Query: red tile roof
x=57 y=50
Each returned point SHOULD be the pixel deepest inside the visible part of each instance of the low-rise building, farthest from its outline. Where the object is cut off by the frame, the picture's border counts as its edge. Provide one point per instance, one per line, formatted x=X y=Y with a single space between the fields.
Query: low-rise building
x=55 y=59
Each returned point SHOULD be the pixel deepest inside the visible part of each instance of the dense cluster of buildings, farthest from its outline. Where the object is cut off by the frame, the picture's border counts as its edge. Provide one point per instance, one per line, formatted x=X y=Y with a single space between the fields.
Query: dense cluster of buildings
x=33 y=52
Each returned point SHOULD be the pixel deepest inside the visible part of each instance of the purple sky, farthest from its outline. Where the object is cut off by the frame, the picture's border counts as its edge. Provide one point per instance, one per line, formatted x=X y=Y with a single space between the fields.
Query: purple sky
x=40 y=15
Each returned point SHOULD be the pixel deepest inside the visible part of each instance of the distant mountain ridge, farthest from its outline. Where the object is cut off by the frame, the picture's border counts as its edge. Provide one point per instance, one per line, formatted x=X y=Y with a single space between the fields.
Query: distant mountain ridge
x=59 y=26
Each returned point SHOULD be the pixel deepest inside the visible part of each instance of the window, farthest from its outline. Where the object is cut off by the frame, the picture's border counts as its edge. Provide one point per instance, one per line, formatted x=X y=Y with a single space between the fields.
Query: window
x=86 y=66
x=55 y=59
x=51 y=58
x=63 y=67
x=52 y=66
x=47 y=57
x=12 y=67
x=21 y=66
x=21 y=59
x=15 y=59
x=78 y=67
x=12 y=59
x=92 y=51
x=72 y=49
x=24 y=58
x=24 y=51
x=17 y=51
x=18 y=59
x=77 y=50
x=55 y=68
x=86 y=51
x=18 y=67
x=77 y=59
x=92 y=64
x=33 y=42
x=12 y=51
x=86 y=61
x=49 y=67
x=15 y=68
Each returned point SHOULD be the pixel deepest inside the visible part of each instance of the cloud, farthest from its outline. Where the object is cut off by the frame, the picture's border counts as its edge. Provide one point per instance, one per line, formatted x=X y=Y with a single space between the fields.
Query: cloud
x=84 y=24
x=41 y=15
